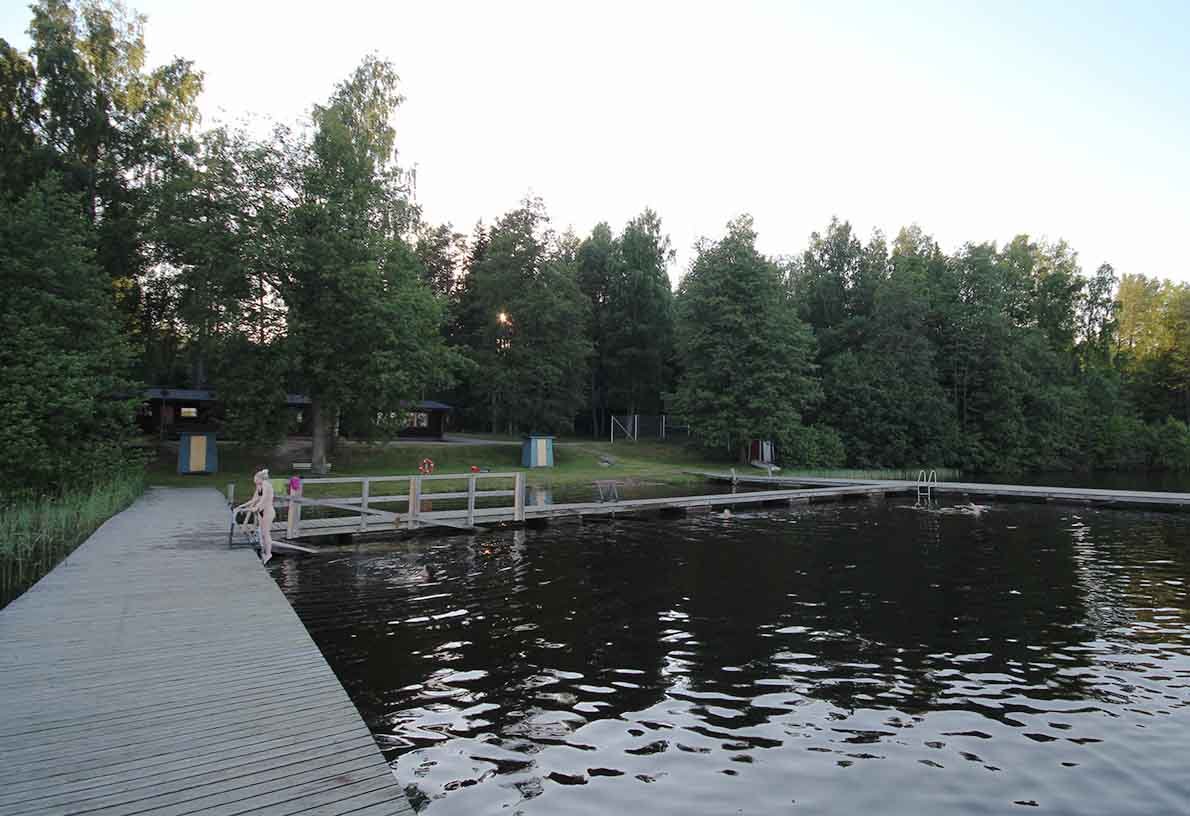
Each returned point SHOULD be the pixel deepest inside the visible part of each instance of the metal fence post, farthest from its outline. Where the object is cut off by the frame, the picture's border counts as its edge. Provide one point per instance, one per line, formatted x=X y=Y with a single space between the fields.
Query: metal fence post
x=293 y=517
x=471 y=500
x=363 y=514
x=518 y=505
x=414 y=500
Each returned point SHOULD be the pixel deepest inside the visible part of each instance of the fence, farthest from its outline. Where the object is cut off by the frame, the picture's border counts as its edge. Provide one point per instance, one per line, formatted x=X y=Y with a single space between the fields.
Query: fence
x=367 y=518
x=646 y=426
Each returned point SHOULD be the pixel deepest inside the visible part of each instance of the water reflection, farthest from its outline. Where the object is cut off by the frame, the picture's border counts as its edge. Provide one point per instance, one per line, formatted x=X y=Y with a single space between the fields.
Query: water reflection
x=835 y=658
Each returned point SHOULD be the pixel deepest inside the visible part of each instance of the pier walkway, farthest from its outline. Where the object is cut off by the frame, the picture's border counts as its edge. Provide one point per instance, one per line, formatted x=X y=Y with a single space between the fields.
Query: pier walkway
x=374 y=513
x=363 y=513
x=1150 y=499
x=155 y=671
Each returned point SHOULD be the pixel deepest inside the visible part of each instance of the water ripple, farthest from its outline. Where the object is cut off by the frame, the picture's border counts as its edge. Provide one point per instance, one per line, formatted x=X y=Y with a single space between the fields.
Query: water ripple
x=834 y=659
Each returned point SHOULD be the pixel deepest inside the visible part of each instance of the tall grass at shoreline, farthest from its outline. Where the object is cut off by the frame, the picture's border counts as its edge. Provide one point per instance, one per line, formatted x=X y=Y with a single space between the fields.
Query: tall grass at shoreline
x=35 y=534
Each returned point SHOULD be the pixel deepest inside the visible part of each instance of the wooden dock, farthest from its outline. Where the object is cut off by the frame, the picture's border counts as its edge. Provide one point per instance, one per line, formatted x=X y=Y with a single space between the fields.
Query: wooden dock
x=362 y=513
x=158 y=672
x=1153 y=500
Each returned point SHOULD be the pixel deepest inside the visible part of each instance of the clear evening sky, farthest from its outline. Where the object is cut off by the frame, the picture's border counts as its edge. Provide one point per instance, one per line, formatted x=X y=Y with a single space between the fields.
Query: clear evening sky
x=977 y=121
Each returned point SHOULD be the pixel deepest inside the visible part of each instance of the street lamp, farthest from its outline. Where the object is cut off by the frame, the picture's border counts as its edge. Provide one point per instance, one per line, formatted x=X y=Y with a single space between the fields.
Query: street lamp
x=503 y=339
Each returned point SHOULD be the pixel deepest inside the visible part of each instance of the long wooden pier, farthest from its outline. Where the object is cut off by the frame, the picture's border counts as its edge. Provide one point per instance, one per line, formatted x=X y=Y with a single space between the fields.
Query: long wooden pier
x=1074 y=495
x=361 y=514
x=364 y=514
x=155 y=671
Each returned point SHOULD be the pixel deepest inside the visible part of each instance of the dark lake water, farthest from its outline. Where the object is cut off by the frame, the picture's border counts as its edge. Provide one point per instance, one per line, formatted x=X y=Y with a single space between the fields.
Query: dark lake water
x=850 y=658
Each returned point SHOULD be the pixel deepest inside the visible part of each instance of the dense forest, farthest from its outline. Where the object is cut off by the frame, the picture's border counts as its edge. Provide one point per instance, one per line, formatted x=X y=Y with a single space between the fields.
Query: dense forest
x=141 y=249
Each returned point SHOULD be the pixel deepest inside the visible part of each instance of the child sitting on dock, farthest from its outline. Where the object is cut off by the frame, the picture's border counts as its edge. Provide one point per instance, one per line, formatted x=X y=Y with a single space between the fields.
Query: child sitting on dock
x=262 y=504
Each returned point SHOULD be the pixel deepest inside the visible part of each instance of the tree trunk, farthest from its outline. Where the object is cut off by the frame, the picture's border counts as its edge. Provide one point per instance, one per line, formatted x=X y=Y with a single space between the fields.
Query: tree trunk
x=321 y=418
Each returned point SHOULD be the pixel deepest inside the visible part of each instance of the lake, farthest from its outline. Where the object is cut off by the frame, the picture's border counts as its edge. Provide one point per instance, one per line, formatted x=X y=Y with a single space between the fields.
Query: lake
x=857 y=657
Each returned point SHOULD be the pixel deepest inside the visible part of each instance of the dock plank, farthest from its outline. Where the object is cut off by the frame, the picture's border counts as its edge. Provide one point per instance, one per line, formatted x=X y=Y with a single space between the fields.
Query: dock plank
x=155 y=671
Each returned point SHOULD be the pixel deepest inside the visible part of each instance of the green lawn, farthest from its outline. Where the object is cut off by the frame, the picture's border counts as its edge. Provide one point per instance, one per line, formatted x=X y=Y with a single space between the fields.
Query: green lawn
x=577 y=462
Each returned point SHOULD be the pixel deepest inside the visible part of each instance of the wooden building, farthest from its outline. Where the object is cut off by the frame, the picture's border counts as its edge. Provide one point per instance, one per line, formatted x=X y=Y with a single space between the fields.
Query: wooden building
x=168 y=412
x=426 y=419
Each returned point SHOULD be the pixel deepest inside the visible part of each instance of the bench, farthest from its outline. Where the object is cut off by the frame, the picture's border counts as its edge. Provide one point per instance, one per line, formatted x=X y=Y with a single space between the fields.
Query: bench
x=309 y=466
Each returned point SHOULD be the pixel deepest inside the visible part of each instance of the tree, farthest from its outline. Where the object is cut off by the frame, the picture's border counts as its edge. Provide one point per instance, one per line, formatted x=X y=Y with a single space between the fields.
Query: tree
x=544 y=353
x=882 y=394
x=66 y=406
x=747 y=357
x=251 y=379
x=637 y=337
x=107 y=122
x=24 y=155
x=594 y=275
x=363 y=327
x=441 y=252
x=207 y=207
x=523 y=320
x=821 y=280
x=1098 y=316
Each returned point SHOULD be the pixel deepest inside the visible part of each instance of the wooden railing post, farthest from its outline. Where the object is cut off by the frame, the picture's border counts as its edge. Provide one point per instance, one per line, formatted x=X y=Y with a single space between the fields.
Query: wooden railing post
x=363 y=505
x=293 y=518
x=231 y=493
x=471 y=500
x=518 y=506
x=414 y=500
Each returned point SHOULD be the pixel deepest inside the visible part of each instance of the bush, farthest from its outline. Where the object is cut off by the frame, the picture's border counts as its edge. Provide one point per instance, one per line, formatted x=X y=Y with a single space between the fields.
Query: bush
x=1169 y=445
x=811 y=446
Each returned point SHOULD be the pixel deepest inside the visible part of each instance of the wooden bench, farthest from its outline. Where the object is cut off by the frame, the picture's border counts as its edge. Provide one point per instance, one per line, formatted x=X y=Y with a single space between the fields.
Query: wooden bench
x=309 y=466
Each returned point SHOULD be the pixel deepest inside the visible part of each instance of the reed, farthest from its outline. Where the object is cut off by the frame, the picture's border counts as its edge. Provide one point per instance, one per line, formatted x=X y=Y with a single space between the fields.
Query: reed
x=37 y=533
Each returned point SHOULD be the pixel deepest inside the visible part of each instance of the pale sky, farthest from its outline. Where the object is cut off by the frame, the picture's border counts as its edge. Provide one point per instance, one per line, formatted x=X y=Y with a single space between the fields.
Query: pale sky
x=977 y=121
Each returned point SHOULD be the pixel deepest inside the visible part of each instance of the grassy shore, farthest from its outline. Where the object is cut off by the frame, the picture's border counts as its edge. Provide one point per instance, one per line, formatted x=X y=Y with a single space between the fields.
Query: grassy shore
x=577 y=463
x=35 y=534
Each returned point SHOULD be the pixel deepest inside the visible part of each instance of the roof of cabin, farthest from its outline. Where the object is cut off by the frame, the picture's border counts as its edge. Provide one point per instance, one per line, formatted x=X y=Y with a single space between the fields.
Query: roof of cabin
x=208 y=395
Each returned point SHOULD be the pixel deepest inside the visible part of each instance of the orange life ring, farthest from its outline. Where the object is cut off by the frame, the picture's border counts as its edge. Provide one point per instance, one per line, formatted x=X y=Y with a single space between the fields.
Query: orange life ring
x=426 y=467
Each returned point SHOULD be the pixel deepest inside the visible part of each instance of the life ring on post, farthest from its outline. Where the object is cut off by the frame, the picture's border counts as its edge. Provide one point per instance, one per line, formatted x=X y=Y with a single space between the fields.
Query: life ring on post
x=426 y=467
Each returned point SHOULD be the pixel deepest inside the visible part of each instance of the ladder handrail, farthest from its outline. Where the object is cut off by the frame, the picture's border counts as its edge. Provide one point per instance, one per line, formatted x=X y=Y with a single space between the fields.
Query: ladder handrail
x=926 y=482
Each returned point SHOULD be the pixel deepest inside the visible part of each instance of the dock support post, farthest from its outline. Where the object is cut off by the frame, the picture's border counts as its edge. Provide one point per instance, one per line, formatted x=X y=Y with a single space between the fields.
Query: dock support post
x=518 y=506
x=293 y=517
x=414 y=501
x=471 y=500
x=363 y=516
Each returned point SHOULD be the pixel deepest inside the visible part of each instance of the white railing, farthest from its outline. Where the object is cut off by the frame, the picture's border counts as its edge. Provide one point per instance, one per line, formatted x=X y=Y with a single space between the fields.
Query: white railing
x=926 y=482
x=365 y=503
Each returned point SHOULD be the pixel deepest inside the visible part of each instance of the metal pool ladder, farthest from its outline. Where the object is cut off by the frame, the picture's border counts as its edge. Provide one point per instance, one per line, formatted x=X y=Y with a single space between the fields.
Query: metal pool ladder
x=925 y=485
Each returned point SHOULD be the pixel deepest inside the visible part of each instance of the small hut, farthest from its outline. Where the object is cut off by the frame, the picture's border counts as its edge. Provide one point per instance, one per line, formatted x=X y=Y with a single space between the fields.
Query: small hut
x=426 y=419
